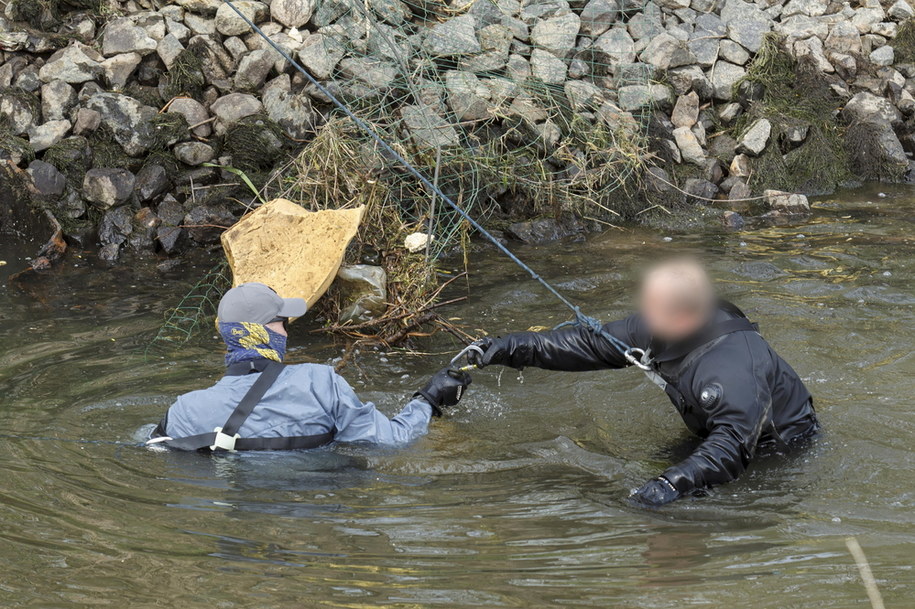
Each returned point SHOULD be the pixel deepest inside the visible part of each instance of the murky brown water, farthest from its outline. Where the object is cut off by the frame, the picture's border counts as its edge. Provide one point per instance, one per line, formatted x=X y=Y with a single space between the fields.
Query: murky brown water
x=516 y=500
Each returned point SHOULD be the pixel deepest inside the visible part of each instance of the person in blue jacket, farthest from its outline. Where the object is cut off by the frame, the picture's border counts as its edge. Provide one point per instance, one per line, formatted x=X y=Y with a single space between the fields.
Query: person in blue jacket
x=260 y=404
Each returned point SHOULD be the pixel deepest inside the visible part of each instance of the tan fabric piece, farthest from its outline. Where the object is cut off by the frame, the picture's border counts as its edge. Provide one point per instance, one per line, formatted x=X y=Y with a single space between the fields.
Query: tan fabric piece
x=295 y=252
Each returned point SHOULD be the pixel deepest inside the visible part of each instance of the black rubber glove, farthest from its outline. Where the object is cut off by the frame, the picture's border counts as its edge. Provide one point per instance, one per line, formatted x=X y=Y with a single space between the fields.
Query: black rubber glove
x=655 y=493
x=494 y=352
x=445 y=388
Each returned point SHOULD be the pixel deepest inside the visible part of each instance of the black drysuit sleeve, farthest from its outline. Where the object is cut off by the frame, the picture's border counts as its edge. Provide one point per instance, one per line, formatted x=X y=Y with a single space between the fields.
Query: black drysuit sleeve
x=575 y=348
x=735 y=420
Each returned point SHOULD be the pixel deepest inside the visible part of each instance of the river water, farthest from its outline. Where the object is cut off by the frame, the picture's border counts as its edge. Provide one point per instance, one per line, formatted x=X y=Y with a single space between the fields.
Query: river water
x=517 y=499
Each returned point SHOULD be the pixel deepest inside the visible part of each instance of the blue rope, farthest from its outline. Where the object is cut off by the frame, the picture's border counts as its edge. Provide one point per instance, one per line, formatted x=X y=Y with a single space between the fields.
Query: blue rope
x=580 y=318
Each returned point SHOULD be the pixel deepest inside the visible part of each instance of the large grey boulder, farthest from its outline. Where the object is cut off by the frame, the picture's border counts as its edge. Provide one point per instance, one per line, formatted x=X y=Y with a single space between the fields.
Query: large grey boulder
x=666 y=52
x=689 y=146
x=57 y=98
x=495 y=40
x=869 y=108
x=866 y=17
x=457 y=36
x=468 y=98
x=194 y=113
x=705 y=39
x=427 y=128
x=76 y=63
x=723 y=76
x=547 y=68
x=231 y=108
x=46 y=178
x=293 y=112
x=321 y=54
x=598 y=15
x=755 y=139
x=228 y=23
x=557 y=34
x=42 y=137
x=901 y=10
x=106 y=188
x=124 y=36
x=128 y=119
x=746 y=23
x=292 y=13
x=617 y=45
x=168 y=49
x=882 y=56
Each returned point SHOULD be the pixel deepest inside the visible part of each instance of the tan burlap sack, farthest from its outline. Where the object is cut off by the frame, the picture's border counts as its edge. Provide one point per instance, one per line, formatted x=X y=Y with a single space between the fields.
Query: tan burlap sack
x=295 y=252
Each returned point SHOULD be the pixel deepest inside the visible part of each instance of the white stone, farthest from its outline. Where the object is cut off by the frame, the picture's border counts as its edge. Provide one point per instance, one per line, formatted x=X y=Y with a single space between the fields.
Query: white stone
x=755 y=139
x=618 y=45
x=292 y=13
x=723 y=76
x=883 y=56
x=42 y=137
x=228 y=23
x=557 y=34
x=689 y=146
x=547 y=68
x=416 y=242
x=901 y=10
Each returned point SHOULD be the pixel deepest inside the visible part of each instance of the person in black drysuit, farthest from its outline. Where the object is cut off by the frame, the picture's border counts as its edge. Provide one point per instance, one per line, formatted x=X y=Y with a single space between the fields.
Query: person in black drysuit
x=727 y=383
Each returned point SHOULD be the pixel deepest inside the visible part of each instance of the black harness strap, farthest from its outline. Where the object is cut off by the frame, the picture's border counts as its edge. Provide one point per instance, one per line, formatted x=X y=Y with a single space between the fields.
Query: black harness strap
x=269 y=372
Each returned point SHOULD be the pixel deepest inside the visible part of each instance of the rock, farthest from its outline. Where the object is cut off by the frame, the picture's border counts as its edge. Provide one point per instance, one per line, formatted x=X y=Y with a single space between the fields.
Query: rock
x=705 y=39
x=740 y=166
x=845 y=65
x=723 y=147
x=205 y=223
x=48 y=181
x=292 y=13
x=496 y=41
x=193 y=112
x=673 y=5
x=468 y=98
x=746 y=23
x=844 y=38
x=115 y=227
x=145 y=223
x=57 y=98
x=633 y=97
x=583 y=95
x=427 y=128
x=901 y=10
x=546 y=68
x=364 y=291
x=375 y=74
x=617 y=45
x=882 y=56
x=194 y=153
x=118 y=69
x=417 y=242
x=686 y=111
x=128 y=119
x=151 y=182
x=645 y=26
x=866 y=17
x=321 y=54
x=169 y=233
x=598 y=15
x=689 y=146
x=691 y=78
x=292 y=112
x=168 y=49
x=457 y=36
x=723 y=77
x=42 y=137
x=228 y=23
x=200 y=26
x=732 y=52
x=544 y=230
x=886 y=29
x=786 y=202
x=739 y=191
x=76 y=63
x=556 y=34
x=231 y=108
x=253 y=69
x=106 y=188
x=867 y=107
x=813 y=48
x=666 y=52
x=699 y=190
x=729 y=112
x=754 y=139
x=732 y=220
x=810 y=8
x=87 y=121
x=123 y=36
x=801 y=26
x=797 y=133
x=875 y=153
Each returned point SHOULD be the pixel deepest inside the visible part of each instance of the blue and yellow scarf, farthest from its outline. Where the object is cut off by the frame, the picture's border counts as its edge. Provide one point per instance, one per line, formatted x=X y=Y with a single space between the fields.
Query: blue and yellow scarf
x=247 y=341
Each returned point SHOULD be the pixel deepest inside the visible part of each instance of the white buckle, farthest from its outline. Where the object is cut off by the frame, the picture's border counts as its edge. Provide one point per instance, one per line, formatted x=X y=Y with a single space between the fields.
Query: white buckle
x=224 y=441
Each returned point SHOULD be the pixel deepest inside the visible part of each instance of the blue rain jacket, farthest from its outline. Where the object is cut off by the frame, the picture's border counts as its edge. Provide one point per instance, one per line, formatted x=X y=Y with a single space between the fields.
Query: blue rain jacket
x=306 y=399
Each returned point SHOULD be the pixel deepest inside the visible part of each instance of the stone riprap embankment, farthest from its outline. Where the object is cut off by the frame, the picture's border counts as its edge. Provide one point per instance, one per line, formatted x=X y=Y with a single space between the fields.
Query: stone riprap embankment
x=118 y=114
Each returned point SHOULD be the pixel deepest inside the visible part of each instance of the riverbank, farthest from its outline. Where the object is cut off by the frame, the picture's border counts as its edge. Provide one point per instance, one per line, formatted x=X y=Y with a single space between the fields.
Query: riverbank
x=140 y=129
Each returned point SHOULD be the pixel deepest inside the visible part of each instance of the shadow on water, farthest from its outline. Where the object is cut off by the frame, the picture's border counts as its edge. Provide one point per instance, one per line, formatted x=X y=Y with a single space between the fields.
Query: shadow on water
x=515 y=500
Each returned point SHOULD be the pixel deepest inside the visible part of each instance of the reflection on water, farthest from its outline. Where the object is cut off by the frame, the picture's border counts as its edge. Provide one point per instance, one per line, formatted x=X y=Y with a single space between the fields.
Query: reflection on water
x=514 y=501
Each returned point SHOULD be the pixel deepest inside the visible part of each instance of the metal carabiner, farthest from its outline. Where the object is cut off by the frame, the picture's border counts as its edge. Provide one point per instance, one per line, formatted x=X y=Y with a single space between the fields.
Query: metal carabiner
x=464 y=352
x=637 y=361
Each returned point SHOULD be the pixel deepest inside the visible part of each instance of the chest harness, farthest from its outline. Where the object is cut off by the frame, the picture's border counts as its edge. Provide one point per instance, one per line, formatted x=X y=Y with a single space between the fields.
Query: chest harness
x=227 y=438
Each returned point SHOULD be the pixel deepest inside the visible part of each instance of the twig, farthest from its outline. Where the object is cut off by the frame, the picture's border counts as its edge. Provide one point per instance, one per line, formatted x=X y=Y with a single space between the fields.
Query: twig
x=201 y=123
x=677 y=188
x=203 y=226
x=867 y=576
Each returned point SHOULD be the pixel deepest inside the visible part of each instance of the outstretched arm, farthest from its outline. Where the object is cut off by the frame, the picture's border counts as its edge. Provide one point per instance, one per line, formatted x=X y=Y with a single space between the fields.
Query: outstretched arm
x=572 y=349
x=356 y=421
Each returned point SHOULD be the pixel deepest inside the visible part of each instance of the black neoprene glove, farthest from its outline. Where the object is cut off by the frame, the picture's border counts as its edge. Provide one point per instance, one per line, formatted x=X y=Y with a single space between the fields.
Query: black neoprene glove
x=494 y=352
x=445 y=388
x=655 y=493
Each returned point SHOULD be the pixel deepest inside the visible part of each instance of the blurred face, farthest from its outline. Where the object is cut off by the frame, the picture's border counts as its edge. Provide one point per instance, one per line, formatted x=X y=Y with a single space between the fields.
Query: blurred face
x=278 y=326
x=676 y=301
